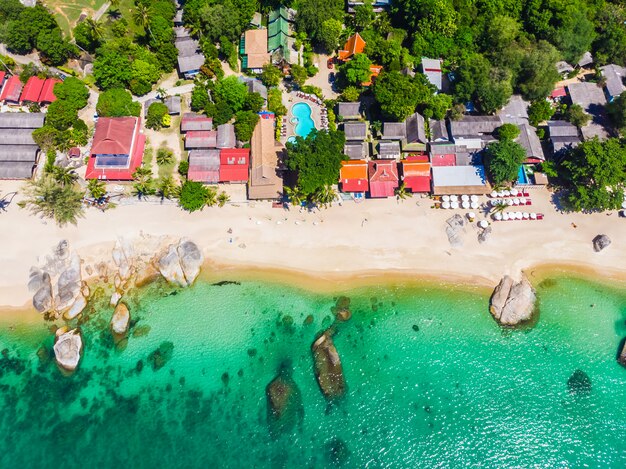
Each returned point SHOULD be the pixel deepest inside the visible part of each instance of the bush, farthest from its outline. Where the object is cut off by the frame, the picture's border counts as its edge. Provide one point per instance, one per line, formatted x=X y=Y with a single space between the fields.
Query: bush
x=156 y=112
x=503 y=160
x=193 y=196
x=117 y=102
x=508 y=132
x=245 y=121
x=183 y=168
x=61 y=115
x=351 y=94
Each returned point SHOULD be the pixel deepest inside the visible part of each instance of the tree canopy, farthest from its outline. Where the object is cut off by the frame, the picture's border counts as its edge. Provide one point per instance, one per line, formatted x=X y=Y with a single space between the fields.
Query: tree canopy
x=503 y=159
x=117 y=102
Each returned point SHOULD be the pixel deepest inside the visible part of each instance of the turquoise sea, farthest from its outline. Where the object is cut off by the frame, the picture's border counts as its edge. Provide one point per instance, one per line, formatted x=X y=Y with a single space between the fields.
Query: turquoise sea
x=432 y=381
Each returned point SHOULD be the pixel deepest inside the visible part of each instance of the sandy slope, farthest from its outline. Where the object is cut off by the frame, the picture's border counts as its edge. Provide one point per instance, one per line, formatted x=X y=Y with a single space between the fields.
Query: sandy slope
x=372 y=237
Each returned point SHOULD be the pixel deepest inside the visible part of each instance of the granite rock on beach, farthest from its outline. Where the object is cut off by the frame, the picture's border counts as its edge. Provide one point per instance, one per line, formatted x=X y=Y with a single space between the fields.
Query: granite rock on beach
x=120 y=319
x=67 y=348
x=601 y=242
x=180 y=264
x=512 y=302
x=454 y=230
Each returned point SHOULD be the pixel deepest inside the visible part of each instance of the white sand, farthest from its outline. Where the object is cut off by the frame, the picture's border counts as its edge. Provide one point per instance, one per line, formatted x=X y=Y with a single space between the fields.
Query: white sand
x=399 y=237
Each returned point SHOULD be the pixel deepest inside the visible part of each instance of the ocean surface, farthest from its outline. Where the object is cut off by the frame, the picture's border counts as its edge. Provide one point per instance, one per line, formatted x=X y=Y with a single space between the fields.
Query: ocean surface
x=432 y=381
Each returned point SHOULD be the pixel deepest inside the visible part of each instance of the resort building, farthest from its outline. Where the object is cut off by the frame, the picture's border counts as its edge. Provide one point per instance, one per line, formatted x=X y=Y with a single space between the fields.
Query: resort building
x=193 y=121
x=173 y=104
x=515 y=111
x=18 y=150
x=586 y=60
x=204 y=166
x=529 y=140
x=226 y=136
x=411 y=133
x=234 y=165
x=355 y=130
x=200 y=139
x=280 y=32
x=3 y=76
x=474 y=132
x=564 y=68
x=459 y=180
x=614 y=80
x=591 y=98
x=353 y=177
x=189 y=66
x=438 y=131
x=12 y=90
x=38 y=90
x=389 y=150
x=255 y=86
x=432 y=69
x=47 y=95
x=563 y=136
x=383 y=176
x=265 y=181
x=442 y=154
x=349 y=111
x=354 y=45
x=356 y=148
x=416 y=174
x=117 y=149
x=377 y=5
x=253 y=50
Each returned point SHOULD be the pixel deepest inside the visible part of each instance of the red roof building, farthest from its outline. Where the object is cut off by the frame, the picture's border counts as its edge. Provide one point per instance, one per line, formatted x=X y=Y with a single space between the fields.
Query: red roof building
x=117 y=149
x=383 y=176
x=2 y=77
x=47 y=92
x=416 y=174
x=353 y=176
x=234 y=164
x=204 y=166
x=558 y=92
x=191 y=121
x=32 y=90
x=12 y=90
x=200 y=139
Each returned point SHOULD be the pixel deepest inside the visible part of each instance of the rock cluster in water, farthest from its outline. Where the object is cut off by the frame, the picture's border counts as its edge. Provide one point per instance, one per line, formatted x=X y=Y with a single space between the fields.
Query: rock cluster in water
x=67 y=348
x=284 y=402
x=180 y=265
x=328 y=369
x=120 y=320
x=513 y=302
x=621 y=356
x=579 y=383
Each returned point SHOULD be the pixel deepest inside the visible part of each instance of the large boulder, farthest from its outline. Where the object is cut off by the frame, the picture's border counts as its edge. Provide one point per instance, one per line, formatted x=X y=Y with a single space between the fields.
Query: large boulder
x=77 y=307
x=180 y=265
x=120 y=319
x=123 y=257
x=43 y=298
x=621 y=356
x=69 y=284
x=328 y=369
x=284 y=402
x=512 y=302
x=67 y=349
x=601 y=242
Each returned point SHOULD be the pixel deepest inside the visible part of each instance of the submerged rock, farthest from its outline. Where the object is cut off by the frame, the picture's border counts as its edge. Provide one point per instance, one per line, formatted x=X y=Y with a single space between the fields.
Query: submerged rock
x=115 y=298
x=120 y=320
x=67 y=349
x=284 y=401
x=77 y=307
x=161 y=356
x=342 y=309
x=601 y=242
x=328 y=369
x=579 y=383
x=621 y=356
x=180 y=265
x=512 y=302
x=337 y=451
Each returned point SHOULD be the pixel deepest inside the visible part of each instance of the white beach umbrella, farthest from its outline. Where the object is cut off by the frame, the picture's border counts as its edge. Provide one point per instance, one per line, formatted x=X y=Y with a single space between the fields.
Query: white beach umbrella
x=471 y=215
x=522 y=200
x=505 y=216
x=526 y=215
x=509 y=202
x=516 y=201
x=501 y=194
x=533 y=216
x=445 y=204
x=497 y=216
x=474 y=205
x=465 y=204
x=623 y=204
x=474 y=198
x=454 y=198
x=514 y=192
x=494 y=194
x=518 y=215
x=454 y=205
x=465 y=197
x=507 y=193
x=483 y=223
x=446 y=198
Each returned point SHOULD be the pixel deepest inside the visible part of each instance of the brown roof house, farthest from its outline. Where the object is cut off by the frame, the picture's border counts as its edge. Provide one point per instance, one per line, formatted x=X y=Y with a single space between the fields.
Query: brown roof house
x=265 y=182
x=254 y=52
x=411 y=133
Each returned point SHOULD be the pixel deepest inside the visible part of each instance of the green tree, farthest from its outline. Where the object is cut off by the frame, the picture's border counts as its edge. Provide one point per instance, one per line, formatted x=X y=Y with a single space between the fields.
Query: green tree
x=50 y=199
x=193 y=196
x=222 y=199
x=617 y=111
x=143 y=183
x=271 y=75
x=117 y=103
x=164 y=156
x=538 y=74
x=313 y=13
x=72 y=91
x=254 y=102
x=331 y=30
x=245 y=122
x=154 y=118
x=183 y=168
x=398 y=94
x=364 y=15
x=508 y=132
x=96 y=188
x=61 y=115
x=64 y=176
x=503 y=160
x=299 y=74
x=84 y=37
x=316 y=159
x=351 y=94
x=595 y=174
x=166 y=187
x=232 y=92
x=357 y=71
x=199 y=98
x=438 y=106
x=577 y=116
x=275 y=102
x=539 y=111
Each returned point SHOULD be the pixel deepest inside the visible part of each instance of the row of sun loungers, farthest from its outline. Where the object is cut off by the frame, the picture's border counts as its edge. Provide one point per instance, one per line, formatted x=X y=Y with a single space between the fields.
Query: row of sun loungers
x=309 y=97
x=513 y=216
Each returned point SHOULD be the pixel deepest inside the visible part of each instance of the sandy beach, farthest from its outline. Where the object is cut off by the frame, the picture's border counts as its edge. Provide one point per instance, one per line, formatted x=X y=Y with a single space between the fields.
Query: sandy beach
x=371 y=238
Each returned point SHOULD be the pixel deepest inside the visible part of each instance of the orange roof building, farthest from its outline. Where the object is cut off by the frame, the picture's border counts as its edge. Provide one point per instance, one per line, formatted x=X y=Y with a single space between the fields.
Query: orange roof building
x=354 y=45
x=375 y=70
x=416 y=174
x=353 y=176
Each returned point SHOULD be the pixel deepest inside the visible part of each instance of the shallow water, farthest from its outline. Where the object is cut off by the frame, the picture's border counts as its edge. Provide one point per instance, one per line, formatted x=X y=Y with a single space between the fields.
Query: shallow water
x=432 y=382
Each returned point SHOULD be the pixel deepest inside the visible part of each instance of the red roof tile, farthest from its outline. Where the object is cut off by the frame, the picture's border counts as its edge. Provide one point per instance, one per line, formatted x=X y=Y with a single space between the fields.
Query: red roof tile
x=558 y=93
x=203 y=175
x=353 y=176
x=12 y=89
x=114 y=135
x=234 y=156
x=47 y=92
x=32 y=90
x=448 y=159
x=2 y=75
x=417 y=183
x=234 y=173
x=383 y=178
x=118 y=174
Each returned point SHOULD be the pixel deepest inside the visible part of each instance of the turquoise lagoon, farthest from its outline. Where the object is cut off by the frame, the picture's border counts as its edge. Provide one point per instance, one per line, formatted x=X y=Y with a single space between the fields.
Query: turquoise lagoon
x=302 y=118
x=432 y=382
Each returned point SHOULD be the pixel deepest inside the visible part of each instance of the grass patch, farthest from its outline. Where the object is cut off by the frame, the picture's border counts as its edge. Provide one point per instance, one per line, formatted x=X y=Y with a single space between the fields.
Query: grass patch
x=67 y=12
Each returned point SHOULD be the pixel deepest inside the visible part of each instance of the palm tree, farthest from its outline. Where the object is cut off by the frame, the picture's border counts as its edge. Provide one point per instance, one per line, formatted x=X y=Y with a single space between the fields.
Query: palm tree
x=166 y=187
x=222 y=199
x=402 y=192
x=143 y=184
x=64 y=176
x=164 y=156
x=211 y=196
x=294 y=194
x=162 y=92
x=141 y=17
x=46 y=197
x=96 y=188
x=325 y=196
x=96 y=28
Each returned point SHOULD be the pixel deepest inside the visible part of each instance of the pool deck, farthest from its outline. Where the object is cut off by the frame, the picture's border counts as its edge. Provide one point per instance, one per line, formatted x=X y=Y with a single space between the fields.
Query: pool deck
x=289 y=102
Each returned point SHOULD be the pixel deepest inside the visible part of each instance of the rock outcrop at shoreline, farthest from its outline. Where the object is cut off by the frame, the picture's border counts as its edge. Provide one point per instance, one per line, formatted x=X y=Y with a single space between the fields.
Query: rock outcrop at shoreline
x=120 y=320
x=180 y=265
x=512 y=302
x=67 y=348
x=284 y=401
x=621 y=355
x=601 y=242
x=328 y=369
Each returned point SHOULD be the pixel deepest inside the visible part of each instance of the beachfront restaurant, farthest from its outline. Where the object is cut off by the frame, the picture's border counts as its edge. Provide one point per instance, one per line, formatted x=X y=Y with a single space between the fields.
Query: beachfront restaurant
x=459 y=180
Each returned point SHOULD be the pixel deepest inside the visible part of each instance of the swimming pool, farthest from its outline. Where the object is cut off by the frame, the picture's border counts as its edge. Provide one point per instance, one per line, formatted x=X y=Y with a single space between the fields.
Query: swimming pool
x=302 y=118
x=522 y=177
